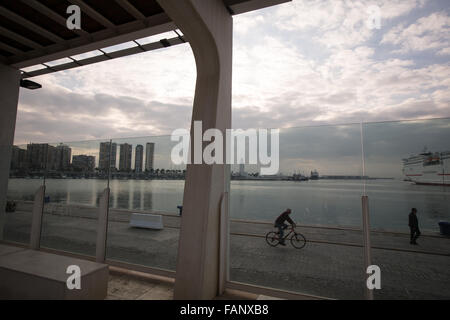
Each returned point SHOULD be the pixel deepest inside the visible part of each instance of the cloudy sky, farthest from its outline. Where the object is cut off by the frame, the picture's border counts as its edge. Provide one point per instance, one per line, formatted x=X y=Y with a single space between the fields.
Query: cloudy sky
x=309 y=62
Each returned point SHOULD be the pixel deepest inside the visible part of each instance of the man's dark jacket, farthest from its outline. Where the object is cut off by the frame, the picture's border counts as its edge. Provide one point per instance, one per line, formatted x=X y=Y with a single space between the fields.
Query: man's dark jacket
x=413 y=221
x=282 y=218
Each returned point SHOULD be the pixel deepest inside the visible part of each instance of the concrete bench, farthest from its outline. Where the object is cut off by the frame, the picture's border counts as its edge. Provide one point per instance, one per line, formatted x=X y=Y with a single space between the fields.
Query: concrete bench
x=30 y=274
x=147 y=221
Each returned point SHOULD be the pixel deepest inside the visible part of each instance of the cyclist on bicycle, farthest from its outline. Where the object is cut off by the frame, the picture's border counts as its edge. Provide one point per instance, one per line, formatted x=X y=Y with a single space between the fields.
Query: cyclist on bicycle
x=279 y=223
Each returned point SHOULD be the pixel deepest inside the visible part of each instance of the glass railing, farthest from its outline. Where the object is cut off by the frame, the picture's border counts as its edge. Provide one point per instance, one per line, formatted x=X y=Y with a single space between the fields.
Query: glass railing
x=414 y=156
x=72 y=191
x=26 y=177
x=320 y=181
x=328 y=210
x=146 y=189
x=323 y=173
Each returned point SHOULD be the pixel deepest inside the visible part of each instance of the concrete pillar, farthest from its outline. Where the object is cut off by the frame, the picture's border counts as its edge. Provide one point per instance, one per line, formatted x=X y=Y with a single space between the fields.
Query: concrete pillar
x=208 y=27
x=9 y=97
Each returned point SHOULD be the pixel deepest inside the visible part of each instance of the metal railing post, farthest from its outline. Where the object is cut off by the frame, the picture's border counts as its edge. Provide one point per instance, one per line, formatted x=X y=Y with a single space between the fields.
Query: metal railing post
x=223 y=243
x=36 y=223
x=367 y=247
x=102 y=226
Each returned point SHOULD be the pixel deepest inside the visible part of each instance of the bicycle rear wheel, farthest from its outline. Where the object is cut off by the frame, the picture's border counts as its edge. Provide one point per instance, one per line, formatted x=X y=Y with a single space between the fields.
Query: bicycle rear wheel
x=298 y=241
x=272 y=238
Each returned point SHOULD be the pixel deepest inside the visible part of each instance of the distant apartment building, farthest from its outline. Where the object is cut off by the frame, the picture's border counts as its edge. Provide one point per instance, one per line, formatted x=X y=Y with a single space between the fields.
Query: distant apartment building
x=62 y=157
x=139 y=158
x=126 y=151
x=83 y=163
x=149 y=156
x=242 y=172
x=104 y=160
x=40 y=156
x=18 y=158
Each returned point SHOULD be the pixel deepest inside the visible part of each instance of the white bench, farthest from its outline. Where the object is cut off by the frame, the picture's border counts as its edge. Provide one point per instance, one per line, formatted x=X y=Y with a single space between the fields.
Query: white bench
x=30 y=274
x=147 y=221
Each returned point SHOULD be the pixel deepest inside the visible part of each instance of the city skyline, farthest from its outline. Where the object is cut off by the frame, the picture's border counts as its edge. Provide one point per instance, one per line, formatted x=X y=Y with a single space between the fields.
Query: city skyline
x=59 y=157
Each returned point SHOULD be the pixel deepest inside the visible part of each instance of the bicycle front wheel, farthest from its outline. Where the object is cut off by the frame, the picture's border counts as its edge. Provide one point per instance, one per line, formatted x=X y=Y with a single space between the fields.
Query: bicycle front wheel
x=298 y=241
x=272 y=239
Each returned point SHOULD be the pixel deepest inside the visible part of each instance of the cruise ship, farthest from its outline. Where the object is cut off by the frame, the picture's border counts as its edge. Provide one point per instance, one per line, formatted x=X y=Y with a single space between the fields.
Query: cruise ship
x=428 y=168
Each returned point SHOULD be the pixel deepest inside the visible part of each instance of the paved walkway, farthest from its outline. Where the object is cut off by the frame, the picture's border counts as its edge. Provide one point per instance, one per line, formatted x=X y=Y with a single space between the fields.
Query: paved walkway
x=321 y=268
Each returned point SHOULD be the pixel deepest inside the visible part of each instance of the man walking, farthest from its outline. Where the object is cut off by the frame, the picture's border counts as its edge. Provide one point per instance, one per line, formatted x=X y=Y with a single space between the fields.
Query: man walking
x=414 y=226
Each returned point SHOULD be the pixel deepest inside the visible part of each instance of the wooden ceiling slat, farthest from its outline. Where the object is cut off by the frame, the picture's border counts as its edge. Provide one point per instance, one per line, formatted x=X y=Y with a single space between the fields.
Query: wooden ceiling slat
x=93 y=14
x=17 y=37
x=131 y=9
x=51 y=14
x=30 y=25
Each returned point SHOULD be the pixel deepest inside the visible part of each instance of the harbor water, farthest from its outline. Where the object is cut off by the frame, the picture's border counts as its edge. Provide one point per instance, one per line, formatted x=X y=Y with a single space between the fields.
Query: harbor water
x=320 y=202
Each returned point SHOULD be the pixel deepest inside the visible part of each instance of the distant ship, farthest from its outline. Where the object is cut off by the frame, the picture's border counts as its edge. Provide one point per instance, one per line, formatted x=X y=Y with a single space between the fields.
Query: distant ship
x=428 y=168
x=314 y=175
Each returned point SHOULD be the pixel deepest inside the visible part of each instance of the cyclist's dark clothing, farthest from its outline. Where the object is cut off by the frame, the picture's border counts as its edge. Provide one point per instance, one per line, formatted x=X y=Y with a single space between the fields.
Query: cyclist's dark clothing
x=279 y=223
x=282 y=218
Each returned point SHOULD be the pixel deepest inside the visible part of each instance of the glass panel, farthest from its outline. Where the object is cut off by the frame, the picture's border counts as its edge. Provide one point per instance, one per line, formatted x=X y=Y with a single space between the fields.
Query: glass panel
x=26 y=176
x=73 y=186
x=144 y=181
x=320 y=180
x=414 y=159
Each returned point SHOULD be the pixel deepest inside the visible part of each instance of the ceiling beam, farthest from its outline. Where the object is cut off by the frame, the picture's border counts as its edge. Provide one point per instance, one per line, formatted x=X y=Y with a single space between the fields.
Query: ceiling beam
x=17 y=37
x=103 y=57
x=29 y=25
x=131 y=9
x=93 y=14
x=250 y=5
x=127 y=32
x=10 y=49
x=51 y=14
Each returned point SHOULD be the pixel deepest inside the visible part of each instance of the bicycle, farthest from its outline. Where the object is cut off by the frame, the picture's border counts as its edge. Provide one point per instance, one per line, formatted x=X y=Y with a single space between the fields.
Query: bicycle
x=298 y=241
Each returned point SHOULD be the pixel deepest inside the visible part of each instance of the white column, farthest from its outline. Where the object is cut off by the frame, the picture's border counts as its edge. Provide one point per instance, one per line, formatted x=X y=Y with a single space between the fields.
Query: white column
x=208 y=27
x=9 y=96
x=102 y=227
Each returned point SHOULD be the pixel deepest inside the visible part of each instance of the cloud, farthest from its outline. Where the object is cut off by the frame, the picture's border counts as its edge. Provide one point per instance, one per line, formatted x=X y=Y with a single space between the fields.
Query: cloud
x=427 y=33
x=311 y=62
x=340 y=23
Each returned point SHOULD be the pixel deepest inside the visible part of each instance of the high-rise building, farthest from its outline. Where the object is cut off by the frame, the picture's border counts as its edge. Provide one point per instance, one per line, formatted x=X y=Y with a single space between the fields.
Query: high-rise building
x=139 y=158
x=105 y=149
x=126 y=151
x=149 y=155
x=242 y=170
x=18 y=158
x=62 y=157
x=83 y=163
x=40 y=156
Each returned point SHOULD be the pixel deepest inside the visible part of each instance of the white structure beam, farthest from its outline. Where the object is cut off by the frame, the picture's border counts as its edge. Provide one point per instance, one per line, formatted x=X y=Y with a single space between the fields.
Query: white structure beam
x=252 y=5
x=208 y=27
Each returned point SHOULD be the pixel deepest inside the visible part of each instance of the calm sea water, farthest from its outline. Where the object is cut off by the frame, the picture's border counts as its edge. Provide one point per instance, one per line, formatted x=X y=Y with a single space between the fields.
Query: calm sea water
x=323 y=202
